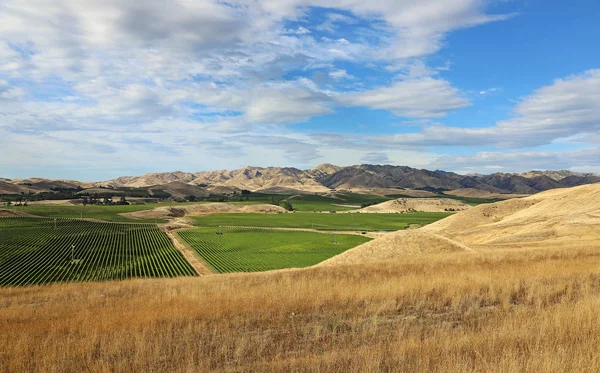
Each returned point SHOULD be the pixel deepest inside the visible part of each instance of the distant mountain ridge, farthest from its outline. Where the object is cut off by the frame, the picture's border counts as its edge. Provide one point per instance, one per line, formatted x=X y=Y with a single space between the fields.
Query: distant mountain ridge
x=327 y=177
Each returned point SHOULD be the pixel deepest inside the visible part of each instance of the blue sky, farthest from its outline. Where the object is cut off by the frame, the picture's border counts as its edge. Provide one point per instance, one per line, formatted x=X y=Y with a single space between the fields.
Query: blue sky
x=91 y=90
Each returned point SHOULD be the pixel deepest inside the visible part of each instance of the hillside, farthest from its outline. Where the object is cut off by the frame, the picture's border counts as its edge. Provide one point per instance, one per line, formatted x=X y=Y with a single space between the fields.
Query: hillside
x=557 y=219
x=417 y=204
x=325 y=178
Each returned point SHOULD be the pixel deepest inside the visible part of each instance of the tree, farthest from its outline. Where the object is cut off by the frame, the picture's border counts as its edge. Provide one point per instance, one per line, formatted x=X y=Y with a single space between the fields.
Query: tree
x=190 y=198
x=286 y=205
x=123 y=201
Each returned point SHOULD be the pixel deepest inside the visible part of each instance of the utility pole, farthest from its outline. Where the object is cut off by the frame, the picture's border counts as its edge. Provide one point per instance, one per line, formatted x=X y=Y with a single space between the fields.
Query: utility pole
x=54 y=223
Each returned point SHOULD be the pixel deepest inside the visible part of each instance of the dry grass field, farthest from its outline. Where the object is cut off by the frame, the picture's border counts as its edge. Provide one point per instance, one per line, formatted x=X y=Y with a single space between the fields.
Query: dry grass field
x=504 y=311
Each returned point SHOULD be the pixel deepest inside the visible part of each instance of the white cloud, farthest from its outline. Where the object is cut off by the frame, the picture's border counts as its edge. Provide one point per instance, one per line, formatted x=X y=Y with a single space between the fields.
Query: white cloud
x=376 y=158
x=173 y=72
x=291 y=105
x=568 y=107
x=423 y=98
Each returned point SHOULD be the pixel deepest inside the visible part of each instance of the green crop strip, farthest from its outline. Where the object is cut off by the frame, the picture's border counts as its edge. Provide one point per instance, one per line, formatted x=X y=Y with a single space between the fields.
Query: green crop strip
x=254 y=250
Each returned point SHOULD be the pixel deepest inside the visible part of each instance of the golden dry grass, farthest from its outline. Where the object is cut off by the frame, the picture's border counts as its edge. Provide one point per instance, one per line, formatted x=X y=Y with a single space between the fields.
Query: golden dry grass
x=555 y=219
x=417 y=204
x=508 y=311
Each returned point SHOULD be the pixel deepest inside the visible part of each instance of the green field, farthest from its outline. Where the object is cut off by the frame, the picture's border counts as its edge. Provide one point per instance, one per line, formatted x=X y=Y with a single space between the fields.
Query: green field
x=253 y=250
x=343 y=202
x=107 y=213
x=36 y=251
x=322 y=221
x=313 y=202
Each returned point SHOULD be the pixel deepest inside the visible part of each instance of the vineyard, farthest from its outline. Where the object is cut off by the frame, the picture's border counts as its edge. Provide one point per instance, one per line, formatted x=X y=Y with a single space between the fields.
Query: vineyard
x=40 y=250
x=323 y=221
x=257 y=249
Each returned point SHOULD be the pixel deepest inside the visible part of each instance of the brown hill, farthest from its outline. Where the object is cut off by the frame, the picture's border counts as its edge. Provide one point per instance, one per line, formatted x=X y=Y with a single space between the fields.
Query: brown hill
x=180 y=189
x=259 y=178
x=561 y=218
x=327 y=177
x=201 y=209
x=417 y=204
x=151 y=179
x=556 y=175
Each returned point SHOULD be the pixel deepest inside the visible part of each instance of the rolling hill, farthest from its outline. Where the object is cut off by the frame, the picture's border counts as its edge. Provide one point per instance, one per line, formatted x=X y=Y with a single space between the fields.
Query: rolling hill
x=556 y=219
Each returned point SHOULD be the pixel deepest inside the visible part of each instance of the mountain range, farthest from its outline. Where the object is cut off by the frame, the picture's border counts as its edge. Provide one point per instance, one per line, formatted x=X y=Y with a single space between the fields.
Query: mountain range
x=321 y=179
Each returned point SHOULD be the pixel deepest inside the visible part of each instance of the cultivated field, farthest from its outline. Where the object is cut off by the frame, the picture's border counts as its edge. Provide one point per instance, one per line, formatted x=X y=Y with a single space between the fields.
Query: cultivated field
x=106 y=213
x=323 y=221
x=38 y=251
x=254 y=250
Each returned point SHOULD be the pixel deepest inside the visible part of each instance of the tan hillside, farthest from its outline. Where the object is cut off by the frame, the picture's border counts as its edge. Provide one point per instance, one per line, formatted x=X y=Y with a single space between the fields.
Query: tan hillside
x=417 y=204
x=323 y=170
x=259 y=178
x=200 y=209
x=555 y=175
x=391 y=246
x=556 y=219
x=180 y=189
x=151 y=179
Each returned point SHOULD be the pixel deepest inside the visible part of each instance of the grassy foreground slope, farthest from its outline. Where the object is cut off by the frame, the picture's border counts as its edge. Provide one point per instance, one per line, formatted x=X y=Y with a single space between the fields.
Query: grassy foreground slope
x=254 y=250
x=532 y=311
x=323 y=221
x=39 y=251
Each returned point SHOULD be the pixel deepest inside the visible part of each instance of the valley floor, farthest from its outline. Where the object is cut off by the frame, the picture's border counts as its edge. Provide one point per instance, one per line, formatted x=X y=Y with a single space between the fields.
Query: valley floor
x=510 y=311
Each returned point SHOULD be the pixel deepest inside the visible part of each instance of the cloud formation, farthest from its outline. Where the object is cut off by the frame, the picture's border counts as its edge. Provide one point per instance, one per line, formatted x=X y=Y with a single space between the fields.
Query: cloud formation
x=215 y=84
x=566 y=108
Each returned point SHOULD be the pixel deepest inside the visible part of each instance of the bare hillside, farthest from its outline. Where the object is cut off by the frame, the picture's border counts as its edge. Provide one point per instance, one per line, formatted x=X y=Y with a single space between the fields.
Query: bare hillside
x=417 y=204
x=166 y=212
x=560 y=217
x=556 y=219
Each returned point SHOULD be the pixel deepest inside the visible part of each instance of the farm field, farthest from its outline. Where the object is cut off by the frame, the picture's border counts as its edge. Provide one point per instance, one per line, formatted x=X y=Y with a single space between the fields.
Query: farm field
x=33 y=251
x=322 y=221
x=321 y=203
x=106 y=213
x=255 y=250
x=312 y=202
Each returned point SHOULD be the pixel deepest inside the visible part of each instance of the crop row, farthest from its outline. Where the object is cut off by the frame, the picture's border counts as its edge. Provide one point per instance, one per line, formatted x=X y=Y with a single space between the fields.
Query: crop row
x=41 y=250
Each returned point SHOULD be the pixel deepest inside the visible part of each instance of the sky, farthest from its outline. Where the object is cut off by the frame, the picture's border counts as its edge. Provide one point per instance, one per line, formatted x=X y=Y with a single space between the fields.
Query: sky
x=95 y=89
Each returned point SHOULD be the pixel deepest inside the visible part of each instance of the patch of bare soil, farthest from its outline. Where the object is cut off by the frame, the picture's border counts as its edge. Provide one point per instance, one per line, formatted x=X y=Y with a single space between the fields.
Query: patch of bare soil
x=67 y=202
x=13 y=213
x=189 y=254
